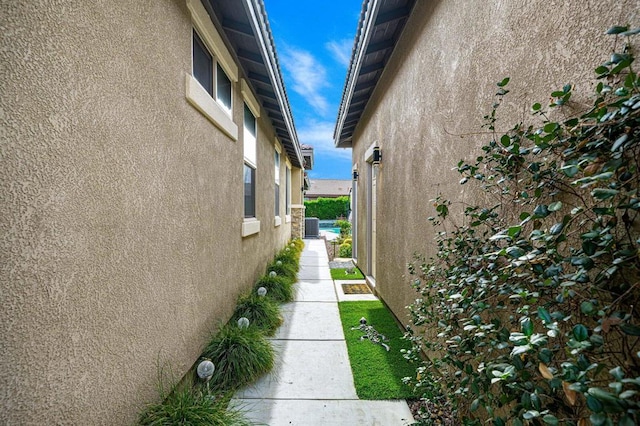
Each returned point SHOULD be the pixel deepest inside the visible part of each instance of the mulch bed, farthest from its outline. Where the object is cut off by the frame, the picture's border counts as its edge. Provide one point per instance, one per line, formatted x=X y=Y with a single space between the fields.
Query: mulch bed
x=433 y=413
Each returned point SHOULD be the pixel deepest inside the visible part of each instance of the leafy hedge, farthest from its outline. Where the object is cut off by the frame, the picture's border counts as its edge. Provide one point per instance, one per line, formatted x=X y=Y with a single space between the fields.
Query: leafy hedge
x=533 y=320
x=327 y=208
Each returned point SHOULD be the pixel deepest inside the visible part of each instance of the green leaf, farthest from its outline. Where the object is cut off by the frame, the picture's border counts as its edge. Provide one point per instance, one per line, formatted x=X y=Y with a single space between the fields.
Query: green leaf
x=505 y=140
x=630 y=329
x=627 y=420
x=550 y=419
x=475 y=405
x=580 y=332
x=544 y=315
x=618 y=143
x=616 y=29
x=527 y=327
x=555 y=206
x=598 y=419
x=557 y=94
x=556 y=229
x=604 y=193
x=587 y=308
x=536 y=107
x=551 y=127
x=530 y=414
x=631 y=32
x=617 y=373
x=541 y=211
x=505 y=81
x=602 y=70
x=514 y=231
x=594 y=404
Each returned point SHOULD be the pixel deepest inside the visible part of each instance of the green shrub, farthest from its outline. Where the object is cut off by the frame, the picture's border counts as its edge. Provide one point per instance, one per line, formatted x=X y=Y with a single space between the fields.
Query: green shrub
x=345 y=250
x=532 y=320
x=345 y=227
x=240 y=355
x=279 y=288
x=187 y=405
x=262 y=312
x=327 y=208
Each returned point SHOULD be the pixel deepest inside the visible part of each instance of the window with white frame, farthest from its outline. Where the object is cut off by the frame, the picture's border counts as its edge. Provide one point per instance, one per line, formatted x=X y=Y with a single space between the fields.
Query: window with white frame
x=209 y=85
x=287 y=196
x=250 y=160
x=217 y=84
x=277 y=181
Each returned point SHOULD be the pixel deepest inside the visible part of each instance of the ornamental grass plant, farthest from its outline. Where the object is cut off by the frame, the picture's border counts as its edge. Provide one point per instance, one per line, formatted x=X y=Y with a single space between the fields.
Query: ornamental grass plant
x=262 y=312
x=188 y=405
x=279 y=288
x=240 y=355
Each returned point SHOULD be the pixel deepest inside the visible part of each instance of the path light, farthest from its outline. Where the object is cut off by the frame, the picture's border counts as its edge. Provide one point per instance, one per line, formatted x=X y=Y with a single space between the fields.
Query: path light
x=205 y=370
x=279 y=263
x=243 y=322
x=273 y=274
x=262 y=291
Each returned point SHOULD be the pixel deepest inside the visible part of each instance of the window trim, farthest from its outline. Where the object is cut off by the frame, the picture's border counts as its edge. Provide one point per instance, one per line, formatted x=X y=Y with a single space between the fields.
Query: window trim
x=287 y=193
x=212 y=108
x=251 y=224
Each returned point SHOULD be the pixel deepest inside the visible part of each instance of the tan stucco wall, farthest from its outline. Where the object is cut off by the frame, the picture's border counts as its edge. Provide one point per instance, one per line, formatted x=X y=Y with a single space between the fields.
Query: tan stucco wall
x=437 y=87
x=121 y=212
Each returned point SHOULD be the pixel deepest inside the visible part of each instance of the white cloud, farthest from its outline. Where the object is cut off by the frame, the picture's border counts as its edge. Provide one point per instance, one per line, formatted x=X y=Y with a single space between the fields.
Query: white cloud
x=319 y=134
x=341 y=50
x=309 y=77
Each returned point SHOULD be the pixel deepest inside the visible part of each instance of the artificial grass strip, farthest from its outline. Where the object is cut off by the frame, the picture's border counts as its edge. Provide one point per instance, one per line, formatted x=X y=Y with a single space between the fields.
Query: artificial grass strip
x=341 y=274
x=377 y=374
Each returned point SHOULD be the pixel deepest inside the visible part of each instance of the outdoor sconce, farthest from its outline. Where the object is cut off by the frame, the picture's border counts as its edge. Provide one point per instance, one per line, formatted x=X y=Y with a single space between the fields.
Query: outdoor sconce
x=355 y=175
x=377 y=155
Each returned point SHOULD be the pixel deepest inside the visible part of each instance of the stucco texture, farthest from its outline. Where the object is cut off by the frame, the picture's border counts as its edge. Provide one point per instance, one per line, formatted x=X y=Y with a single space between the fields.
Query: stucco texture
x=426 y=112
x=121 y=212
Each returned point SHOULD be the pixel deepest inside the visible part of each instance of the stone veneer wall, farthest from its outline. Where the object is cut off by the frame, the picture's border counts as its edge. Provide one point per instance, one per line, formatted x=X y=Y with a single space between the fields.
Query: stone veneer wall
x=297 y=221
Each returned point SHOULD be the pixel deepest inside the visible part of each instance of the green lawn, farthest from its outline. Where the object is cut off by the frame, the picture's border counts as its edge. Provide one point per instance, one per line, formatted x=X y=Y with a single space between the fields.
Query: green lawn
x=377 y=373
x=341 y=274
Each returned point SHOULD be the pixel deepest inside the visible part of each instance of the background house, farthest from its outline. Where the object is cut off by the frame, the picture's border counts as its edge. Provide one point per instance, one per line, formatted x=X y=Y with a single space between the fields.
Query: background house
x=150 y=169
x=327 y=188
x=422 y=76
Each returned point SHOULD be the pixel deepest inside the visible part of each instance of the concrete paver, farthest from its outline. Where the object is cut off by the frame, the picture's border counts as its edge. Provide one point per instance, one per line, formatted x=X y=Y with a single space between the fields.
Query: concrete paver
x=327 y=412
x=312 y=383
x=315 y=291
x=310 y=321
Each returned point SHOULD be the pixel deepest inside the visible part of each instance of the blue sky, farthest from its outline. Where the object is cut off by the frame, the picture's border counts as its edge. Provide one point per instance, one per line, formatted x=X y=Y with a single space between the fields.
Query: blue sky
x=314 y=41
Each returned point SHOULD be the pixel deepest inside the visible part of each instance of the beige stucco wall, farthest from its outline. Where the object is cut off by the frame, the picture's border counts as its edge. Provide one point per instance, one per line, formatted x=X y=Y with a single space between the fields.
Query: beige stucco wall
x=121 y=212
x=427 y=109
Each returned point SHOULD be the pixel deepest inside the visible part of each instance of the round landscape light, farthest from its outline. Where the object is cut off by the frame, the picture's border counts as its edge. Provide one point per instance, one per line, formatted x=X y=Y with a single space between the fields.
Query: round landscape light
x=205 y=370
x=279 y=263
x=243 y=322
x=273 y=274
x=262 y=291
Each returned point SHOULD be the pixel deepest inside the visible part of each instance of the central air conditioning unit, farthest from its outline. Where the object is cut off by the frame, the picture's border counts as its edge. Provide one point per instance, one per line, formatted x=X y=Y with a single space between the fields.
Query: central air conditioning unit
x=311 y=227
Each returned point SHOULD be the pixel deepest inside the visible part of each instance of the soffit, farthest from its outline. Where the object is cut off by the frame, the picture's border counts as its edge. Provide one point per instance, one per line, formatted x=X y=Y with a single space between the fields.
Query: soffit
x=245 y=27
x=380 y=26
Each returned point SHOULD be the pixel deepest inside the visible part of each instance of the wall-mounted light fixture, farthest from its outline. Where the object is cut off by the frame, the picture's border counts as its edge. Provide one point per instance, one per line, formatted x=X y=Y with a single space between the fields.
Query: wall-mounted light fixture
x=355 y=175
x=377 y=155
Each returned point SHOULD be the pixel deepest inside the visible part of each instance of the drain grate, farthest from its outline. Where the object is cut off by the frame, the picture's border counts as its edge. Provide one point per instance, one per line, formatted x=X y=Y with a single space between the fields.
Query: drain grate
x=356 y=289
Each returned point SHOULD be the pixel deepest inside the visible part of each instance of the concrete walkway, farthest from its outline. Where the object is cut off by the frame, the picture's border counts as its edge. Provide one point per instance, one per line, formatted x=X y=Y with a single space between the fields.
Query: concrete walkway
x=312 y=383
